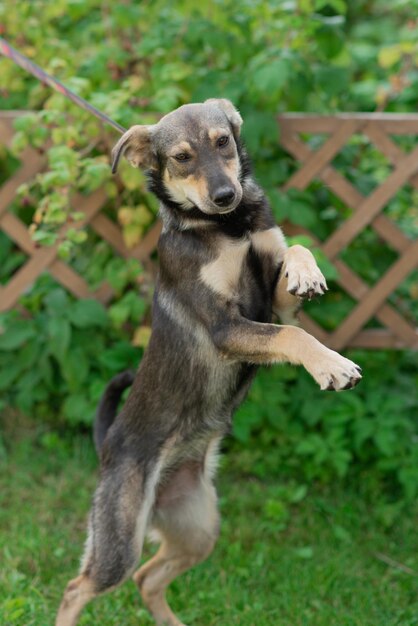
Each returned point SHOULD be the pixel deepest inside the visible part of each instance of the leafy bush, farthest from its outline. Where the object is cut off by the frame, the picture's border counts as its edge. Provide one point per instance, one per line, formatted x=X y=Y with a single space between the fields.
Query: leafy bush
x=137 y=60
x=286 y=427
x=132 y=60
x=55 y=361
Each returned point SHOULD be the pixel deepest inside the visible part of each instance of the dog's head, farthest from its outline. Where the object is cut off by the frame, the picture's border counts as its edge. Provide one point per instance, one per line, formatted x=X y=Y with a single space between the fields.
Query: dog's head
x=192 y=153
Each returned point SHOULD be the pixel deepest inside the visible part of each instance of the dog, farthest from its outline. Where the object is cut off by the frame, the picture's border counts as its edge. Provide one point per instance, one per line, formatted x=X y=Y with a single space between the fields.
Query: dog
x=225 y=272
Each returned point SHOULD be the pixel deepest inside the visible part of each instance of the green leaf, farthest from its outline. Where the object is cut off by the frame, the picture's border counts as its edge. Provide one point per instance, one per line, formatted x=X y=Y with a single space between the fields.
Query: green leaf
x=25 y=122
x=9 y=374
x=341 y=461
x=95 y=174
x=47 y=369
x=59 y=335
x=76 y=236
x=279 y=204
x=45 y=238
x=329 y=39
x=63 y=158
x=385 y=440
x=75 y=368
x=130 y=307
x=333 y=80
x=28 y=355
x=16 y=335
x=78 y=410
x=64 y=250
x=19 y=142
x=57 y=301
x=246 y=420
x=56 y=178
x=302 y=213
x=88 y=313
x=120 y=357
x=269 y=78
x=260 y=128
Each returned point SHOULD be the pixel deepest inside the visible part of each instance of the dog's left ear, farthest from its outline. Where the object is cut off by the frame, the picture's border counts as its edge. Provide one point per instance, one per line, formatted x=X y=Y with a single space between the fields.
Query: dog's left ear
x=136 y=146
x=230 y=111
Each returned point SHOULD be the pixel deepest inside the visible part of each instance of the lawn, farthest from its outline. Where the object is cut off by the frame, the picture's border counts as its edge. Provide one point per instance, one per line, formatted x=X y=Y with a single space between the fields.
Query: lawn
x=322 y=561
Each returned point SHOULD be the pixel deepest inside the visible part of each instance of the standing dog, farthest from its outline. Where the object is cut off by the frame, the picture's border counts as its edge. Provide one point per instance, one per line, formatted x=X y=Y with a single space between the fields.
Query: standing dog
x=225 y=270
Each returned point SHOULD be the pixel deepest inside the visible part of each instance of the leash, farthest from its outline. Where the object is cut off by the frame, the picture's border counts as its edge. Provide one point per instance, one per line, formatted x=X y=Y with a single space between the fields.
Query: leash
x=20 y=59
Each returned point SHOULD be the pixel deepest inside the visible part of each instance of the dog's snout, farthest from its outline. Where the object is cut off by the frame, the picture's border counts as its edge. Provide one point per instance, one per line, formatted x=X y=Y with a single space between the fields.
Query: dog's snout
x=224 y=196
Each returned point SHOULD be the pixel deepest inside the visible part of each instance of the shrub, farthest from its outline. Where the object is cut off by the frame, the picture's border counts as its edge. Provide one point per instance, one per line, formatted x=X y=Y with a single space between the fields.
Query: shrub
x=137 y=60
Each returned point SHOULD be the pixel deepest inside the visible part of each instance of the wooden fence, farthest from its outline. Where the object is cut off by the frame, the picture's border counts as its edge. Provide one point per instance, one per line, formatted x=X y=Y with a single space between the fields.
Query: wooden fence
x=367 y=211
x=372 y=301
x=46 y=259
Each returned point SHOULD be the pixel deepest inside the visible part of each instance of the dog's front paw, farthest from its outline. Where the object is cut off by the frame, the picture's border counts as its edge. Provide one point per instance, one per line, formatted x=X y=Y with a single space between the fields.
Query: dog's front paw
x=307 y=287
x=304 y=278
x=334 y=372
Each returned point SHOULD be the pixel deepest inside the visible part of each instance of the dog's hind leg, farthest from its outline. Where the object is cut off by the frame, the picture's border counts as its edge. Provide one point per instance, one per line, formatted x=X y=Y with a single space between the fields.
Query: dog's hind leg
x=186 y=519
x=118 y=521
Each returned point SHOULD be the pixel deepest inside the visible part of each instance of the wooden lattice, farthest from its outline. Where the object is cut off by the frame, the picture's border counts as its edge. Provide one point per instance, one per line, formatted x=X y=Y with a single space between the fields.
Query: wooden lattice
x=371 y=301
x=367 y=211
x=46 y=259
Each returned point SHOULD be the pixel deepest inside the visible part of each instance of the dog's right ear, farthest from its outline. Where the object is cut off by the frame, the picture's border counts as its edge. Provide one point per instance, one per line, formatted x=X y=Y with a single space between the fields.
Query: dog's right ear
x=230 y=111
x=136 y=146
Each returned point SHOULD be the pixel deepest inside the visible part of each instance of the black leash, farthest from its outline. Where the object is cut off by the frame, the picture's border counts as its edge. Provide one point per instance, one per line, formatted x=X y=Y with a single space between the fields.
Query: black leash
x=20 y=59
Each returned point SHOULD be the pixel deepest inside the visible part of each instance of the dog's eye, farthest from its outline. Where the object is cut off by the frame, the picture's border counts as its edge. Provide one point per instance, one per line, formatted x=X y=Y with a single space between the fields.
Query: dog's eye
x=182 y=156
x=222 y=141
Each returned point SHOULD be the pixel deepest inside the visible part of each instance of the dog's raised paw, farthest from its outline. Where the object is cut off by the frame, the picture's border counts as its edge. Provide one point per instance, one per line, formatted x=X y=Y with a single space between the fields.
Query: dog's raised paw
x=334 y=372
x=305 y=281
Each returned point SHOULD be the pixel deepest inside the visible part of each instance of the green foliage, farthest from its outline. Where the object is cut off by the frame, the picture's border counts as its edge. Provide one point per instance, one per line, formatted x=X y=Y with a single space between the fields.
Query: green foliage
x=54 y=363
x=287 y=427
x=137 y=60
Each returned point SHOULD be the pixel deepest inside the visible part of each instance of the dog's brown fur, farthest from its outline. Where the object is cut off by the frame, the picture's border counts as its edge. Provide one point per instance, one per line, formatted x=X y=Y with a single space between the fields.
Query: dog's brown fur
x=225 y=269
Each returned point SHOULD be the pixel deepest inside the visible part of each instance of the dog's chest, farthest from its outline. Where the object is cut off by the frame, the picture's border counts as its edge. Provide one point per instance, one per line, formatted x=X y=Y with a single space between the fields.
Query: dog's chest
x=222 y=274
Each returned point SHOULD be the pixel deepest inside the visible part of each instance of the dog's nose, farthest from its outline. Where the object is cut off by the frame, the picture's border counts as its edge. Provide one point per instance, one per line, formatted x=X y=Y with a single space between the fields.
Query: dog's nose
x=224 y=196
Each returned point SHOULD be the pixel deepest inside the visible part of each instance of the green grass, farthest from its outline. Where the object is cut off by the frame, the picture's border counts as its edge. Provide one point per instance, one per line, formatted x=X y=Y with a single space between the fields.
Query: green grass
x=314 y=563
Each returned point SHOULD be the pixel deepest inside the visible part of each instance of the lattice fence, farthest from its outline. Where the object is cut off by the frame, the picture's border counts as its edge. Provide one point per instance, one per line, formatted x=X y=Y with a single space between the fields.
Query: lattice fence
x=371 y=301
x=366 y=211
x=46 y=259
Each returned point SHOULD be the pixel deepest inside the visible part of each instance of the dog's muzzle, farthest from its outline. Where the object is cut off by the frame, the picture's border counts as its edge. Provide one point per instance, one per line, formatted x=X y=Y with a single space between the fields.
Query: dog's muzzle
x=224 y=197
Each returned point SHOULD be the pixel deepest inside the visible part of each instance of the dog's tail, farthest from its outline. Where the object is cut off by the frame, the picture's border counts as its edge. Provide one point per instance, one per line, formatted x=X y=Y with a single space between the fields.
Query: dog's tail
x=108 y=406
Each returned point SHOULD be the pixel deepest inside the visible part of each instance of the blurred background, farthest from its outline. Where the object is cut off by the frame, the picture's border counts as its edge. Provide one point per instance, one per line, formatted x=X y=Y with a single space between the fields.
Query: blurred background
x=318 y=490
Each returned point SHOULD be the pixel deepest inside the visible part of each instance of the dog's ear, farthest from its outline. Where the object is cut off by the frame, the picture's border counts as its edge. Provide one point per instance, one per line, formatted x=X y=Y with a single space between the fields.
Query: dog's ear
x=230 y=111
x=136 y=146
